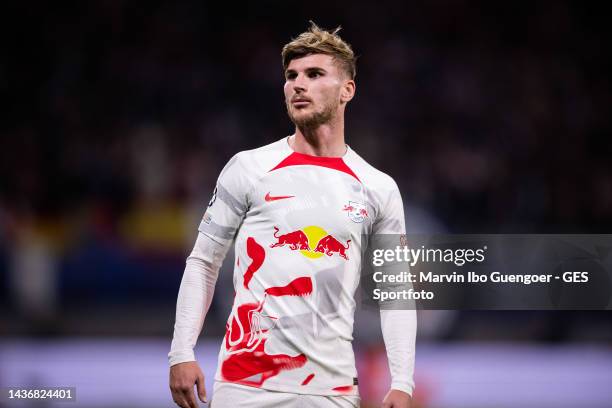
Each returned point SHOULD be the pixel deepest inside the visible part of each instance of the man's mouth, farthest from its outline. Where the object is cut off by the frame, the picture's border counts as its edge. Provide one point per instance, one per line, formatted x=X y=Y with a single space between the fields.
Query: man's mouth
x=300 y=102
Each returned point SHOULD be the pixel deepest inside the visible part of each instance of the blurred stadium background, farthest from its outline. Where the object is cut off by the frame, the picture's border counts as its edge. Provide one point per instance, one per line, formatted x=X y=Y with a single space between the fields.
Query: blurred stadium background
x=117 y=118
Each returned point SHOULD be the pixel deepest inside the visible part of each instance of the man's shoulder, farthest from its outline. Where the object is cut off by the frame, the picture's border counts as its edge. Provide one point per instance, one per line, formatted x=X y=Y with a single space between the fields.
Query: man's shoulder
x=262 y=158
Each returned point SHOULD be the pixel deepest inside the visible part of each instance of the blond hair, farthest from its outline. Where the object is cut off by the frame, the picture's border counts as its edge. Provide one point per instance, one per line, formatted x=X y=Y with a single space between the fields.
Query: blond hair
x=319 y=41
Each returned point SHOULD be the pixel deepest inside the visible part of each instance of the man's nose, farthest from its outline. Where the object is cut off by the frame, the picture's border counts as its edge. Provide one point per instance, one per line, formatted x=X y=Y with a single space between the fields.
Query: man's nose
x=299 y=84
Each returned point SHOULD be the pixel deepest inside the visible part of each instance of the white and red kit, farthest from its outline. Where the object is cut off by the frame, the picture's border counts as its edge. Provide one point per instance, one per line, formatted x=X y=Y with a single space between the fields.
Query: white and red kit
x=297 y=221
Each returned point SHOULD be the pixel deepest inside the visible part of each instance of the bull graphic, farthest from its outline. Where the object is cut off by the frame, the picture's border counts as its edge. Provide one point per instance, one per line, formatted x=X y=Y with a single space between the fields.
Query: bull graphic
x=295 y=240
x=330 y=245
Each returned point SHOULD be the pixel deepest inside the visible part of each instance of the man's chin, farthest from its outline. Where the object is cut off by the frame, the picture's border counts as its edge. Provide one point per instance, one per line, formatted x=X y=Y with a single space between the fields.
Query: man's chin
x=303 y=120
x=309 y=120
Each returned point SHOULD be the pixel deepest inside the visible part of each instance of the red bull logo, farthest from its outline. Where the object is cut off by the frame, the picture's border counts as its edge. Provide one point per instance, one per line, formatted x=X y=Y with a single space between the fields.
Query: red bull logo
x=295 y=240
x=330 y=245
x=312 y=242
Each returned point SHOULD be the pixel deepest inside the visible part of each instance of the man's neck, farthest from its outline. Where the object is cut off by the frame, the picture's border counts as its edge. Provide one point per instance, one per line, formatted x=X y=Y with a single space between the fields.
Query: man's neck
x=326 y=140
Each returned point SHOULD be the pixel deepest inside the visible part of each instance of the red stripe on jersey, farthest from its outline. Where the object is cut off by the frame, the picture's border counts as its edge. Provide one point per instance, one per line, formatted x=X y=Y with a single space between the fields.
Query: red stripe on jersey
x=307 y=379
x=298 y=287
x=300 y=159
x=239 y=367
x=257 y=255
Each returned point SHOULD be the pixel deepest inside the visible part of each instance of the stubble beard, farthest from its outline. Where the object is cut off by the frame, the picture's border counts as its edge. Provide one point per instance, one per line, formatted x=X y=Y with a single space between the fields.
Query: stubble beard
x=315 y=119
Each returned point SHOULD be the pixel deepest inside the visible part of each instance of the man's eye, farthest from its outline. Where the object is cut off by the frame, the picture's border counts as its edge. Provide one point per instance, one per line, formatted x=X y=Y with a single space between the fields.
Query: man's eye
x=314 y=75
x=291 y=76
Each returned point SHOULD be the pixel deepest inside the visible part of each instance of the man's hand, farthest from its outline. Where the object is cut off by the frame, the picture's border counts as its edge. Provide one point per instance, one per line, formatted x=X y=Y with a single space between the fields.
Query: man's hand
x=183 y=377
x=397 y=399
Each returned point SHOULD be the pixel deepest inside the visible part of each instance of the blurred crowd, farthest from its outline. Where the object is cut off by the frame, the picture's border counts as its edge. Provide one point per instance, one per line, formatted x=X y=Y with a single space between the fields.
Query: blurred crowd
x=493 y=118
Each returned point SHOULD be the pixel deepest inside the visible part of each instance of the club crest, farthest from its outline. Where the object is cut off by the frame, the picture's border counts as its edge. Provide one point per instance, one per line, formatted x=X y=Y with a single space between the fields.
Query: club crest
x=356 y=211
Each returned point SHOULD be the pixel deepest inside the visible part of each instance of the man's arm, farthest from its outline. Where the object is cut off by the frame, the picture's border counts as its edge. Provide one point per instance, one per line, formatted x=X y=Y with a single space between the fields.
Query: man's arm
x=195 y=295
x=398 y=322
x=226 y=210
x=399 y=334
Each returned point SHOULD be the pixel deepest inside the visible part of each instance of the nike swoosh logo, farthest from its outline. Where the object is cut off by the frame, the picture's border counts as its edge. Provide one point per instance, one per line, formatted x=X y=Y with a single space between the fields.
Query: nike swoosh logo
x=269 y=198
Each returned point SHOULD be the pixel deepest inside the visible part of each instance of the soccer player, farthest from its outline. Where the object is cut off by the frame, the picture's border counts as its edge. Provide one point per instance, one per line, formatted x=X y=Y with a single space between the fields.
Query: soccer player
x=296 y=209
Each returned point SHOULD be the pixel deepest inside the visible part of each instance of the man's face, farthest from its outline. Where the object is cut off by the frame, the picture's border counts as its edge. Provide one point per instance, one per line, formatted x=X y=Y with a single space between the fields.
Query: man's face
x=313 y=90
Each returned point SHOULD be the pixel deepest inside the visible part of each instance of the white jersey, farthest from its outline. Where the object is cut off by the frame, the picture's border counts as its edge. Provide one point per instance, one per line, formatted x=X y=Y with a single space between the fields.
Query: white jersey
x=297 y=221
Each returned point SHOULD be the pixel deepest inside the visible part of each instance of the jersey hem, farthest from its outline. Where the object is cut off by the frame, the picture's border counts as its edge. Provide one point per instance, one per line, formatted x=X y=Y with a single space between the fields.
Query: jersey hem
x=303 y=390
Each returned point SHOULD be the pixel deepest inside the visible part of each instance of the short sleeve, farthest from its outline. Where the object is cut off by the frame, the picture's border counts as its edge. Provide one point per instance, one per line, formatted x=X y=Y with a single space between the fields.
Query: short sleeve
x=229 y=203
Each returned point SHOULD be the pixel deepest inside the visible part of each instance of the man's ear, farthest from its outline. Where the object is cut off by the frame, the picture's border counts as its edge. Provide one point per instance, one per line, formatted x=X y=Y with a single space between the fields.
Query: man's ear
x=348 y=91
